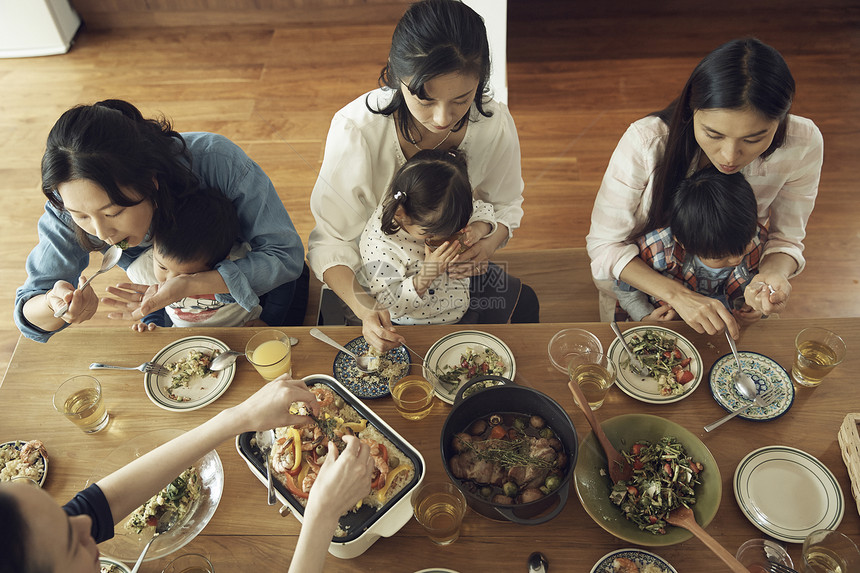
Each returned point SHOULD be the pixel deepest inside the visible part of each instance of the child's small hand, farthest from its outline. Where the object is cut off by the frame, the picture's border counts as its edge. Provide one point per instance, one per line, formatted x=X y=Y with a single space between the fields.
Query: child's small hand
x=143 y=327
x=474 y=232
x=435 y=263
x=746 y=314
x=663 y=313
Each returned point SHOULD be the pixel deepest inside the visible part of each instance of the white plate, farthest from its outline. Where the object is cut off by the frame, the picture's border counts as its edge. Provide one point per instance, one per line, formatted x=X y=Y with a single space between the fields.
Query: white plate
x=127 y=545
x=788 y=493
x=644 y=388
x=764 y=371
x=639 y=556
x=108 y=561
x=18 y=444
x=436 y=570
x=200 y=391
x=447 y=351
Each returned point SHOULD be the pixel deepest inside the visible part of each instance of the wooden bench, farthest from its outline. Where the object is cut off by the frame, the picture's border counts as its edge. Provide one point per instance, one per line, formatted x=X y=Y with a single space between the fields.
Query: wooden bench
x=560 y=277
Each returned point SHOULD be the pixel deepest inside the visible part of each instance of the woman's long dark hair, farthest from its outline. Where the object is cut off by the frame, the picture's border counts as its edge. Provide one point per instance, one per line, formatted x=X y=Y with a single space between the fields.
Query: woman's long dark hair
x=434 y=38
x=434 y=190
x=113 y=145
x=741 y=74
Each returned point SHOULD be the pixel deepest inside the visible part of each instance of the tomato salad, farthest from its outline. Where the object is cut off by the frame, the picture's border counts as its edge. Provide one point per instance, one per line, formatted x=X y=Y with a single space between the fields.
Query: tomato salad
x=663 y=359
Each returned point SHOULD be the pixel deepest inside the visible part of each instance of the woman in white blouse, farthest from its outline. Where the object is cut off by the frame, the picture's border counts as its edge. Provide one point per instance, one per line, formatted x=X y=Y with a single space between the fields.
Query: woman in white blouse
x=434 y=95
x=732 y=114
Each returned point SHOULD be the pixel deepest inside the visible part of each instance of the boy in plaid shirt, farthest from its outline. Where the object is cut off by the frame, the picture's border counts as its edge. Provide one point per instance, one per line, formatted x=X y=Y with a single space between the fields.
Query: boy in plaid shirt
x=712 y=246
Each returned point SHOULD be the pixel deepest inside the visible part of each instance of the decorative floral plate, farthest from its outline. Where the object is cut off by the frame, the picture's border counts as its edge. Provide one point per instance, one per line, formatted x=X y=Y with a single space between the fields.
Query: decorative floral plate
x=200 y=391
x=764 y=371
x=447 y=351
x=370 y=385
x=645 y=388
x=788 y=493
x=638 y=556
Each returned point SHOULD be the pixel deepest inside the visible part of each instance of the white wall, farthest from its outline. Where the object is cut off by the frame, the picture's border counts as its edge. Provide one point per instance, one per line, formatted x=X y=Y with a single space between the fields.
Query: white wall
x=495 y=15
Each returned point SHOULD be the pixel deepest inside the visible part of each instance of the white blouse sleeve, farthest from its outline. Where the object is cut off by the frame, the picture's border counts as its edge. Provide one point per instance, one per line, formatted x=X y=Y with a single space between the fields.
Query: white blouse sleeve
x=345 y=194
x=494 y=166
x=790 y=209
x=623 y=200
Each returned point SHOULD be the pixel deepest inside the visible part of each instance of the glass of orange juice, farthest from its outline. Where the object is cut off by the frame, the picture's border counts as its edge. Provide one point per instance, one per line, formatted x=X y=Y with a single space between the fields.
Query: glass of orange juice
x=269 y=352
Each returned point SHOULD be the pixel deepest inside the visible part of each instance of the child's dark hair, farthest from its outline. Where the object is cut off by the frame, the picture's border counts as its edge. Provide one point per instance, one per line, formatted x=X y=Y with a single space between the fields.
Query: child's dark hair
x=434 y=190
x=432 y=39
x=714 y=215
x=206 y=228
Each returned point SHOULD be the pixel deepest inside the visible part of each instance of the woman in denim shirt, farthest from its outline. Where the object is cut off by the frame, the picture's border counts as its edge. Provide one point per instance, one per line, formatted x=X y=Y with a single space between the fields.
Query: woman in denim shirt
x=107 y=173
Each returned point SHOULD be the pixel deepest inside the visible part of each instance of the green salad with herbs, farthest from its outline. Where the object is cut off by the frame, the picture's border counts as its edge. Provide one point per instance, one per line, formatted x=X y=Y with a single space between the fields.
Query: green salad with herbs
x=664 y=478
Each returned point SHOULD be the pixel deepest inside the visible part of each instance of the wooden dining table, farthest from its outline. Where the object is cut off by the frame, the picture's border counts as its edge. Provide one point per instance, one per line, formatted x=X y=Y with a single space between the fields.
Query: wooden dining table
x=246 y=534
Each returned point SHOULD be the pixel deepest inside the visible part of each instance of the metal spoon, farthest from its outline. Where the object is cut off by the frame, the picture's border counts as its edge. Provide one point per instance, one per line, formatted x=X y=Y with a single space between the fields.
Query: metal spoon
x=636 y=365
x=109 y=261
x=265 y=440
x=165 y=522
x=742 y=381
x=228 y=357
x=364 y=363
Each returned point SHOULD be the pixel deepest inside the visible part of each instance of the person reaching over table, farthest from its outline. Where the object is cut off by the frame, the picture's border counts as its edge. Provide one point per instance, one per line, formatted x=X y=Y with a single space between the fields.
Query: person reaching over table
x=206 y=236
x=109 y=174
x=733 y=114
x=711 y=246
x=37 y=535
x=430 y=201
x=434 y=95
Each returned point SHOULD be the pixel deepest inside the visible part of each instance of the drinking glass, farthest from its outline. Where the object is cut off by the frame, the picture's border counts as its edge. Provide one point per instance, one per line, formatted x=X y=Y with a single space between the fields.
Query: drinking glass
x=412 y=394
x=818 y=352
x=189 y=563
x=755 y=555
x=270 y=353
x=439 y=507
x=595 y=374
x=568 y=342
x=828 y=551
x=80 y=399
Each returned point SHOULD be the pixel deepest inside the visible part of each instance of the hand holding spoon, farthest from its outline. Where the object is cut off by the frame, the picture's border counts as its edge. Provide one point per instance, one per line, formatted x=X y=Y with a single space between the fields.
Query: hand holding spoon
x=109 y=261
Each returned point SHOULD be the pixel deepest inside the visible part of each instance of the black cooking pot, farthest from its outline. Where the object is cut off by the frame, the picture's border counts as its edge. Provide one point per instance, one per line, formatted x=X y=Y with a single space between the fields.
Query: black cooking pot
x=503 y=399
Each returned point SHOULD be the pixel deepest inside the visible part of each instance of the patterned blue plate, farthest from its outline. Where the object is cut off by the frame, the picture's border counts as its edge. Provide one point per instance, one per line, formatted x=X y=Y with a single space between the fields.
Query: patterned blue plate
x=764 y=371
x=372 y=385
x=638 y=556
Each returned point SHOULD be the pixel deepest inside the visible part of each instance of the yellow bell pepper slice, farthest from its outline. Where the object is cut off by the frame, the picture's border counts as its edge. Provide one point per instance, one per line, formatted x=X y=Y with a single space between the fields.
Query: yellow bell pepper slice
x=356 y=427
x=380 y=495
x=297 y=449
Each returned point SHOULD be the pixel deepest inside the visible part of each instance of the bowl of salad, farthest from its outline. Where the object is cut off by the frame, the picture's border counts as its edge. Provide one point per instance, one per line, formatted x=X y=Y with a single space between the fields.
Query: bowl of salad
x=672 y=467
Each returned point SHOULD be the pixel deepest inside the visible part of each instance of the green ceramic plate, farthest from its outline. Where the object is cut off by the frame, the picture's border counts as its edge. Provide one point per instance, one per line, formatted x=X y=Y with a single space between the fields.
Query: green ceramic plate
x=593 y=488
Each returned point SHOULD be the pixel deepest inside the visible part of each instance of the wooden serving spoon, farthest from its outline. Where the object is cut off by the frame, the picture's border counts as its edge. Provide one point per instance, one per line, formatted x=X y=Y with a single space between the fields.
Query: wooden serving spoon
x=683 y=517
x=619 y=468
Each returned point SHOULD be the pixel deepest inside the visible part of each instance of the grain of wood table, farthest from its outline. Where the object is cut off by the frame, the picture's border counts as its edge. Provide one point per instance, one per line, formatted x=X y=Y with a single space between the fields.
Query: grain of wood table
x=245 y=534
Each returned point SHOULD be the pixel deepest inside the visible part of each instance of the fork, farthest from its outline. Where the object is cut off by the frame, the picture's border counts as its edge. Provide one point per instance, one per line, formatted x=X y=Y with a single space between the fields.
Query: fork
x=774 y=567
x=146 y=367
x=635 y=364
x=761 y=400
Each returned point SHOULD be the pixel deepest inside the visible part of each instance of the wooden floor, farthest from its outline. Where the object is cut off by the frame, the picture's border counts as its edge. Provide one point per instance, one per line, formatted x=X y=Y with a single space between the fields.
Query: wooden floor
x=578 y=75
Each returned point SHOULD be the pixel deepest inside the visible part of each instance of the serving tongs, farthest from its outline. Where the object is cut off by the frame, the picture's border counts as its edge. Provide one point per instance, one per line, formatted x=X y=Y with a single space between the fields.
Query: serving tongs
x=619 y=468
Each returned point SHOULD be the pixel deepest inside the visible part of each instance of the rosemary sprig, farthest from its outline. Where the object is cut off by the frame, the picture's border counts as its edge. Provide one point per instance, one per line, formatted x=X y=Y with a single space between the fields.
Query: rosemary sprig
x=508 y=454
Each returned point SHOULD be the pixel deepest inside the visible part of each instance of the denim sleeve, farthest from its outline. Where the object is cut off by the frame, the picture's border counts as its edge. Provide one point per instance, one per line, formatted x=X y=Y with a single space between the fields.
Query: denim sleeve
x=277 y=253
x=158 y=318
x=634 y=302
x=58 y=256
